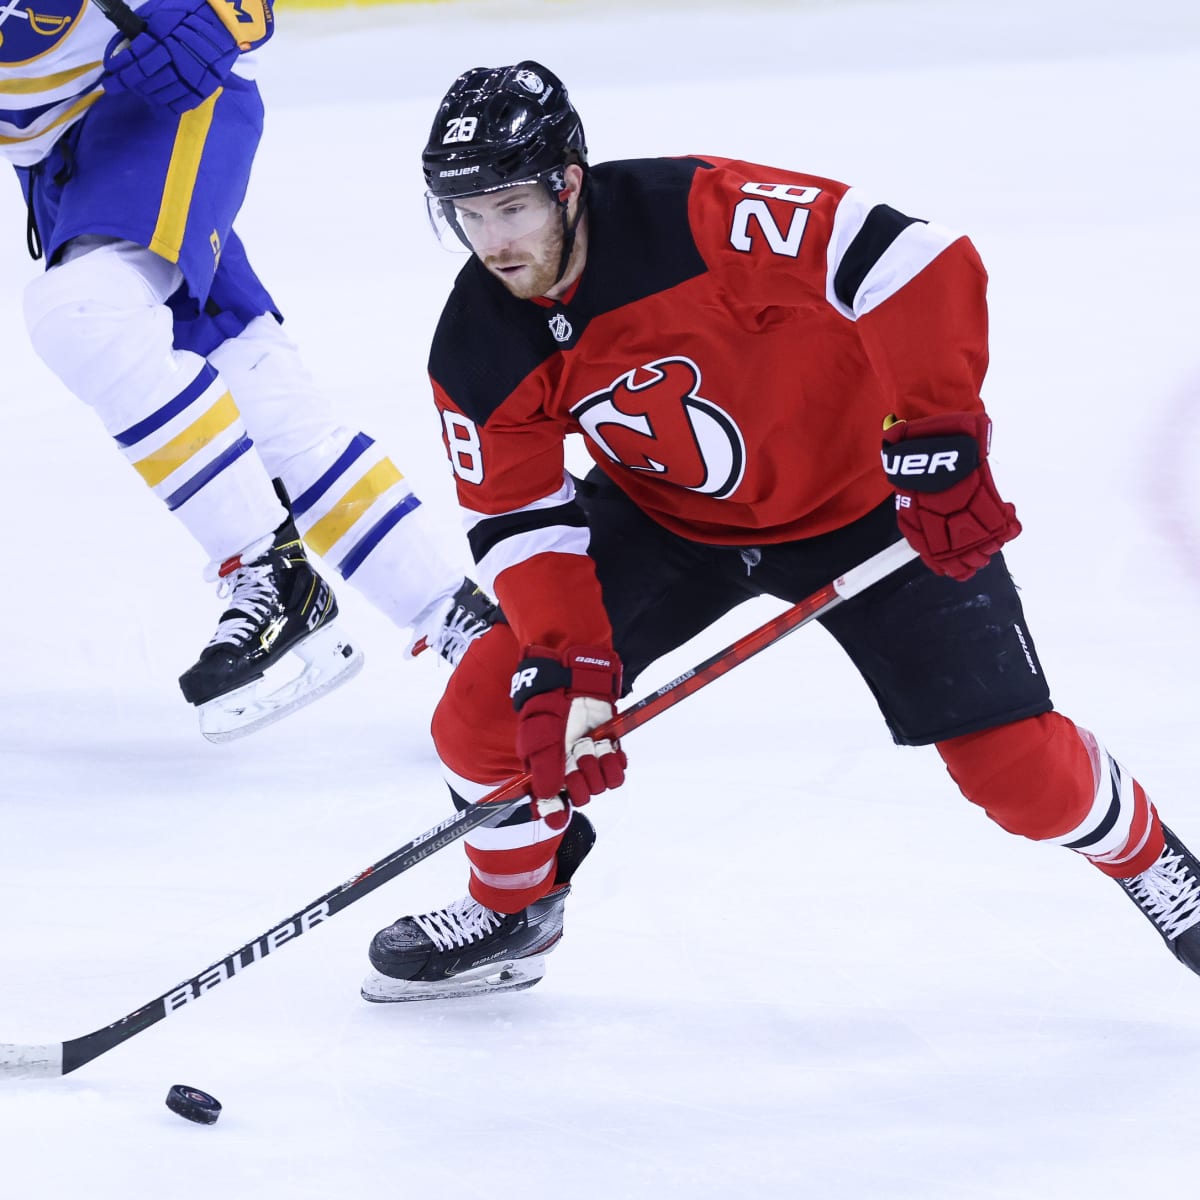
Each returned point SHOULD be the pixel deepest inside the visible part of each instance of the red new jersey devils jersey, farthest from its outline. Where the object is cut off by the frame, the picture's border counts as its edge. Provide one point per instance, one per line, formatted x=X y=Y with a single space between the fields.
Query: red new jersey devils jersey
x=730 y=352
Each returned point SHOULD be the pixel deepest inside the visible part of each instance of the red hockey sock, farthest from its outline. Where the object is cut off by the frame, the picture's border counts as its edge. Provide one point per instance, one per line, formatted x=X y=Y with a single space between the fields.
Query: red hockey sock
x=1047 y=780
x=475 y=729
x=510 y=878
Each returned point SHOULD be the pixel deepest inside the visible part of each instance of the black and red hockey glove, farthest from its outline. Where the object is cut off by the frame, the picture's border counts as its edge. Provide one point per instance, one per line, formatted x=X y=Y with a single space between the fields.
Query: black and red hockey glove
x=560 y=699
x=947 y=505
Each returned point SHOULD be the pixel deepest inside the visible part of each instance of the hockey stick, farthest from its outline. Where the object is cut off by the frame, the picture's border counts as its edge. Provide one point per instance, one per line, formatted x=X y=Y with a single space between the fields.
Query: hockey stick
x=60 y=1058
x=122 y=16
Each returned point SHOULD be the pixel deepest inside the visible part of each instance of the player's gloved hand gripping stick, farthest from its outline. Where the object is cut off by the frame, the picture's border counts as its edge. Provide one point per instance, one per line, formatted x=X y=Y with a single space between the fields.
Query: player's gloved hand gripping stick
x=59 y=1058
x=177 y=53
x=560 y=699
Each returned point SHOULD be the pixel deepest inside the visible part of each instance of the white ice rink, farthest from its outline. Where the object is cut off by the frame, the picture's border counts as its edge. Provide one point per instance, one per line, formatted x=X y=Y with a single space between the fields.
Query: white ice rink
x=798 y=963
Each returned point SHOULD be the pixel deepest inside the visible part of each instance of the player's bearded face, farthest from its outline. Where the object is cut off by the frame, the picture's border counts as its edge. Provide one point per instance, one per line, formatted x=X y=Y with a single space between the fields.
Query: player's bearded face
x=517 y=234
x=529 y=266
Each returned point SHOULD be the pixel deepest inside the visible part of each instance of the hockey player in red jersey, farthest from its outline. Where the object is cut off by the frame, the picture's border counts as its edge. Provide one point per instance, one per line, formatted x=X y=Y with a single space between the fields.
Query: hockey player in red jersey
x=776 y=377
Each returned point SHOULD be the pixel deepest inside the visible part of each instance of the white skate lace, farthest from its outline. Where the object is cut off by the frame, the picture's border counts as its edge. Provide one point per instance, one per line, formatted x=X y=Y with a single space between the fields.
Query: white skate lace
x=1169 y=893
x=251 y=589
x=458 y=631
x=457 y=924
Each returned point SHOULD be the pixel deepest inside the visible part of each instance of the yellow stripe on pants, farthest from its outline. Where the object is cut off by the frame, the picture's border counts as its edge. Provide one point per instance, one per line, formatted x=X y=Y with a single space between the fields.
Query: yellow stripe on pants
x=181 y=179
x=352 y=505
x=155 y=467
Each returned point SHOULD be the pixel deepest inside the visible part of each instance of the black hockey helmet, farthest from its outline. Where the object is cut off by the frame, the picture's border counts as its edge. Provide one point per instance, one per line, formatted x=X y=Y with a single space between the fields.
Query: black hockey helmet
x=499 y=126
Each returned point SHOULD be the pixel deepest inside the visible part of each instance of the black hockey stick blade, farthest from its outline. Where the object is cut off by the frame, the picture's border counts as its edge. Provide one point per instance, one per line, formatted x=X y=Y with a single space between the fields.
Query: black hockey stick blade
x=60 y=1058
x=122 y=16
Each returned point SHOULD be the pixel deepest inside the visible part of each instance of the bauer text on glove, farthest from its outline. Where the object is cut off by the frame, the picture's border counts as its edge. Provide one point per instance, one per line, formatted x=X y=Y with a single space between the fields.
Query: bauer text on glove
x=186 y=50
x=947 y=505
x=560 y=698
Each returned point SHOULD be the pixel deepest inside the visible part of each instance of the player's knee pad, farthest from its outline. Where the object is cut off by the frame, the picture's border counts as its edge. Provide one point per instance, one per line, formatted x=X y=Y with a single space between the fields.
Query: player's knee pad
x=474 y=724
x=260 y=339
x=1047 y=780
x=1032 y=777
x=292 y=421
x=99 y=321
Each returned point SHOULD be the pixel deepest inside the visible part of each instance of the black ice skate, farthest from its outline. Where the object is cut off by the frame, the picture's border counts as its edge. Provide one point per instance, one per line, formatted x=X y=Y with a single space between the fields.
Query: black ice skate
x=1168 y=892
x=463 y=949
x=454 y=625
x=466 y=949
x=279 y=607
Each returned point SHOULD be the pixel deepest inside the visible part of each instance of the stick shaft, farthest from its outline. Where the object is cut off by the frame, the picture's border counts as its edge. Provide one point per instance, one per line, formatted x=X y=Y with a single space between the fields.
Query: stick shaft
x=122 y=16
x=60 y=1058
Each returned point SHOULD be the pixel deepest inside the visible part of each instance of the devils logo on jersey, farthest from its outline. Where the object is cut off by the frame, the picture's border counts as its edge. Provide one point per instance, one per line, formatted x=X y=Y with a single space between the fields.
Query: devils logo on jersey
x=29 y=28
x=654 y=419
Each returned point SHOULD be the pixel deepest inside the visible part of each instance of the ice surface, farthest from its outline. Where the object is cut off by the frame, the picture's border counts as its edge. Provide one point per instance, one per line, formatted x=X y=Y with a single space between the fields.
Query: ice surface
x=798 y=964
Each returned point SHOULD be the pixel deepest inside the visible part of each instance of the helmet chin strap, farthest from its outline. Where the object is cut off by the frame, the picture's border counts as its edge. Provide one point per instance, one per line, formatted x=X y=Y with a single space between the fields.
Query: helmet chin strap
x=568 y=230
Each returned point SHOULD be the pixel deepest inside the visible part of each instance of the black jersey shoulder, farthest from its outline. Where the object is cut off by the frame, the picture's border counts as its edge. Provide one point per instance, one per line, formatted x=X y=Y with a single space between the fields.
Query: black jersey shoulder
x=640 y=244
x=642 y=241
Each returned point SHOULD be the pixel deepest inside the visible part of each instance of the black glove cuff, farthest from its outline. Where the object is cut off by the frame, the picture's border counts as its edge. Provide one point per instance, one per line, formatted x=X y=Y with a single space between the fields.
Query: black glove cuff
x=930 y=464
x=535 y=676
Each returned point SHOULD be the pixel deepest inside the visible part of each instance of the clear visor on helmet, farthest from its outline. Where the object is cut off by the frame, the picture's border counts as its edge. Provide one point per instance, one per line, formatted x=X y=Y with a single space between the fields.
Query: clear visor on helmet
x=487 y=221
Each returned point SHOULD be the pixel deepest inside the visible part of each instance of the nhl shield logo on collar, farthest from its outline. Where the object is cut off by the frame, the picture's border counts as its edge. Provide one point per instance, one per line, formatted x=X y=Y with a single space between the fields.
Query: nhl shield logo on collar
x=560 y=327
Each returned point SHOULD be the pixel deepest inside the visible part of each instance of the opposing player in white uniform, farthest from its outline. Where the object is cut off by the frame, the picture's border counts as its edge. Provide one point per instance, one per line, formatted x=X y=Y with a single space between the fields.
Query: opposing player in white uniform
x=134 y=153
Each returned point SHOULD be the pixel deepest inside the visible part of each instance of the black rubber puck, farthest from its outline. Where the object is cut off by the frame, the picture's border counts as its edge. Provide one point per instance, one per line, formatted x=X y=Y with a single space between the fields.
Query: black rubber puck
x=193 y=1105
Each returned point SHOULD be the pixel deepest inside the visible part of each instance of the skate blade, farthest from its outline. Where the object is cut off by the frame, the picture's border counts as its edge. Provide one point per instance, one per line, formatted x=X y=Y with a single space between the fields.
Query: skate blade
x=330 y=659
x=513 y=976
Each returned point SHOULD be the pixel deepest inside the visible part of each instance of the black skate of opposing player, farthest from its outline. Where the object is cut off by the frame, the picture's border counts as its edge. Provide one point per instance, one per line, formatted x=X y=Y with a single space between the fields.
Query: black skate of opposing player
x=281 y=613
x=451 y=625
x=466 y=949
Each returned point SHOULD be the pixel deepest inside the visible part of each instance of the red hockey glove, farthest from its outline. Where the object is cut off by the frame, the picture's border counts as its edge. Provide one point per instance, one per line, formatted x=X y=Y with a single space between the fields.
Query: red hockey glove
x=560 y=699
x=946 y=503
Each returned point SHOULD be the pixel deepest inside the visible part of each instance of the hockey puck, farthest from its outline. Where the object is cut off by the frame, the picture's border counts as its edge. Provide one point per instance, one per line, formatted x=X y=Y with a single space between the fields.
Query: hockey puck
x=193 y=1105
